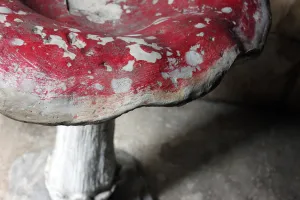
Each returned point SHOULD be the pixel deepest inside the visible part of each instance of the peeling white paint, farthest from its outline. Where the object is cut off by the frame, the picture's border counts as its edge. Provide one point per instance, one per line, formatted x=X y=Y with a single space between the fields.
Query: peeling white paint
x=200 y=34
x=129 y=66
x=200 y=25
x=226 y=10
x=104 y=40
x=121 y=85
x=140 y=41
x=18 y=20
x=39 y=31
x=5 y=10
x=21 y=12
x=3 y=18
x=139 y=54
x=7 y=24
x=98 y=86
x=74 y=30
x=193 y=58
x=17 y=42
x=75 y=41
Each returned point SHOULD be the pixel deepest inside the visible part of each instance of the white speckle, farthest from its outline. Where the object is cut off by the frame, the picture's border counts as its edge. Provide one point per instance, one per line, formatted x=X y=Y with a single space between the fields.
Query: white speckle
x=139 y=54
x=170 y=2
x=182 y=73
x=39 y=30
x=20 y=12
x=75 y=41
x=193 y=58
x=18 y=20
x=1 y=36
x=213 y=39
x=158 y=14
x=202 y=52
x=200 y=34
x=70 y=55
x=89 y=53
x=5 y=10
x=129 y=66
x=140 y=41
x=256 y=16
x=128 y=11
x=195 y=47
x=98 y=86
x=226 y=10
x=104 y=40
x=108 y=67
x=69 y=64
x=159 y=83
x=169 y=53
x=154 y=1
x=121 y=85
x=3 y=18
x=7 y=24
x=200 y=25
x=207 y=20
x=55 y=29
x=178 y=53
x=57 y=40
x=17 y=42
x=74 y=30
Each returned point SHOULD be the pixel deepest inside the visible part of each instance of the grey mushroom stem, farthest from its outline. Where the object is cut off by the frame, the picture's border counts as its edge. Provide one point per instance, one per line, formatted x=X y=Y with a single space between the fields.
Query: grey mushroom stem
x=83 y=162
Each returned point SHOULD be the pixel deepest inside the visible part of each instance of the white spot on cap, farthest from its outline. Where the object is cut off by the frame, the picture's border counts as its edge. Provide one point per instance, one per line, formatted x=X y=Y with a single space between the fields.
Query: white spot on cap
x=3 y=18
x=139 y=54
x=39 y=30
x=226 y=10
x=98 y=86
x=17 y=42
x=170 y=1
x=21 y=12
x=129 y=66
x=75 y=41
x=5 y=10
x=121 y=85
x=74 y=30
x=200 y=34
x=7 y=24
x=193 y=58
x=18 y=20
x=200 y=25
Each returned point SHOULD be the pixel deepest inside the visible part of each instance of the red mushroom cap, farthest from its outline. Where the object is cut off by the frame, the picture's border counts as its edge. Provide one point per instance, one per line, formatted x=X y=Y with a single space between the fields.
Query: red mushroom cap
x=58 y=68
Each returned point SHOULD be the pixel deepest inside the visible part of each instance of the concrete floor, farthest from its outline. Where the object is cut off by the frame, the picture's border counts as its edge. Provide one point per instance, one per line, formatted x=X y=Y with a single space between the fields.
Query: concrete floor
x=201 y=151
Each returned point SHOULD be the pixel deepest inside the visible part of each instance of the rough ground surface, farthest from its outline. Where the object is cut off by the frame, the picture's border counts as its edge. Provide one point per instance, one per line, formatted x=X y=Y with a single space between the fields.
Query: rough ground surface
x=201 y=151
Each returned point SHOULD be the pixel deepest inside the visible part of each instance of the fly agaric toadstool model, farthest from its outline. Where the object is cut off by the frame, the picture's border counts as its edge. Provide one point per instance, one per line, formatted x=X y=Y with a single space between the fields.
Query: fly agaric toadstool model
x=80 y=64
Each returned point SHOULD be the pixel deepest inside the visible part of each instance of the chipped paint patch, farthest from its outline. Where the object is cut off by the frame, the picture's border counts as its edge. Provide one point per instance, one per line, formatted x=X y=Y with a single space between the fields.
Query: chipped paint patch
x=122 y=85
x=200 y=25
x=226 y=10
x=18 y=20
x=193 y=58
x=139 y=54
x=17 y=42
x=3 y=18
x=103 y=40
x=39 y=31
x=98 y=86
x=5 y=10
x=129 y=66
x=75 y=41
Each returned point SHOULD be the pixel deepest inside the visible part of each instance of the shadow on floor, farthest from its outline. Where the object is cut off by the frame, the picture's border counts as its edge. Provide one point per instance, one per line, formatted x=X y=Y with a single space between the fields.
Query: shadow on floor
x=270 y=141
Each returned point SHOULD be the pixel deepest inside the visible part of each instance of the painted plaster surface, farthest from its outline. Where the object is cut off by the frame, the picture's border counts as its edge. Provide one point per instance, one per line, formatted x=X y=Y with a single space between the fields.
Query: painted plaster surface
x=92 y=66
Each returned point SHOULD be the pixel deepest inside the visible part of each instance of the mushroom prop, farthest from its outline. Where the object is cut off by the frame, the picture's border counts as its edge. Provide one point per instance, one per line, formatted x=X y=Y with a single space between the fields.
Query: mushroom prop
x=80 y=64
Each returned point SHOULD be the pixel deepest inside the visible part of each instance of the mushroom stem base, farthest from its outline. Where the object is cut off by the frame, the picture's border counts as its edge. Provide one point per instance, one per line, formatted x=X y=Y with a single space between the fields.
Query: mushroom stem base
x=27 y=180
